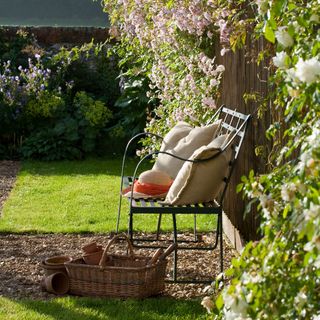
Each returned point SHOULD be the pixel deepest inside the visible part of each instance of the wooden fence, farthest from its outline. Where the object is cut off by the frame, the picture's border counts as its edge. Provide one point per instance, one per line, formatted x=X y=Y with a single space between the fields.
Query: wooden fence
x=244 y=76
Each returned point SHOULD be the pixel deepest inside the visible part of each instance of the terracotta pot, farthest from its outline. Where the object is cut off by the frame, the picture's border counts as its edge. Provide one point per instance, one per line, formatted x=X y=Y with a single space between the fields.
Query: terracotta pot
x=57 y=283
x=48 y=269
x=93 y=258
x=90 y=247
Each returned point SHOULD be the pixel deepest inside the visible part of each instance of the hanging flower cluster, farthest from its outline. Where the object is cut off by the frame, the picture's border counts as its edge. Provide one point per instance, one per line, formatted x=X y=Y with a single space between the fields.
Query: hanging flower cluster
x=178 y=36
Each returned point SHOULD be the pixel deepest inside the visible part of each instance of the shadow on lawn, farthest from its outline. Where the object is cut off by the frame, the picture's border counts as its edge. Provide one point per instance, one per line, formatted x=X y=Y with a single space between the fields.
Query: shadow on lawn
x=115 y=309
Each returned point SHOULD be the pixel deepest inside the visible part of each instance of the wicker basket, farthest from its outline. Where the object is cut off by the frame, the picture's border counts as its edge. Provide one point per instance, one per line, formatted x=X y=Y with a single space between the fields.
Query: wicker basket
x=125 y=276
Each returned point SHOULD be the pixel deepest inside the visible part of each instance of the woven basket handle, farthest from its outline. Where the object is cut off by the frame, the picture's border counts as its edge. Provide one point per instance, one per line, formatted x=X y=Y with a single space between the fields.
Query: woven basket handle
x=103 y=259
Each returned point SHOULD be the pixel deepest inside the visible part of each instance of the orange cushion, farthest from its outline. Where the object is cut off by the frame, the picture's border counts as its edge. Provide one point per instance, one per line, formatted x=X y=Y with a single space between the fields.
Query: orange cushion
x=151 y=188
x=151 y=183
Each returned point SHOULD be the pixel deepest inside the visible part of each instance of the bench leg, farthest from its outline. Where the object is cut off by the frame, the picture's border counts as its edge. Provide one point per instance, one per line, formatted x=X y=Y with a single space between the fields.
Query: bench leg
x=175 y=240
x=130 y=227
x=195 y=227
x=221 y=241
x=119 y=213
x=159 y=225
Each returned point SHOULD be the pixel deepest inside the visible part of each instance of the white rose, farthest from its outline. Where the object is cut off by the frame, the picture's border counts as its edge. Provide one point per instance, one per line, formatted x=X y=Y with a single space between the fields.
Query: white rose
x=284 y=37
x=288 y=192
x=292 y=75
x=280 y=59
x=308 y=71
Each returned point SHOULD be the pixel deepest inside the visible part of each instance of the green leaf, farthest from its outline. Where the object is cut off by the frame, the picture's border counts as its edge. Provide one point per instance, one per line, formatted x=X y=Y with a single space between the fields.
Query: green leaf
x=219 y=302
x=286 y=210
x=278 y=7
x=239 y=187
x=269 y=33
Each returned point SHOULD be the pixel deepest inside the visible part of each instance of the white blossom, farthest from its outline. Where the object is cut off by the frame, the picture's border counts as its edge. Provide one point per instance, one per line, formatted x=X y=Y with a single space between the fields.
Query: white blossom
x=308 y=71
x=235 y=305
x=220 y=68
x=288 y=191
x=312 y=213
x=280 y=59
x=224 y=51
x=300 y=299
x=284 y=37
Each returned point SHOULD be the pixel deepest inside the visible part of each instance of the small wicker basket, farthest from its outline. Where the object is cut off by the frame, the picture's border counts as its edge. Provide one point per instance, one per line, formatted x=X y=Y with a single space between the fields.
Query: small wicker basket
x=125 y=276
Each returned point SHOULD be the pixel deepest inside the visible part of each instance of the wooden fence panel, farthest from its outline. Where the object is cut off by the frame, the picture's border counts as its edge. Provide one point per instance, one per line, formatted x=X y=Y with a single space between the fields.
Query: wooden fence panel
x=244 y=76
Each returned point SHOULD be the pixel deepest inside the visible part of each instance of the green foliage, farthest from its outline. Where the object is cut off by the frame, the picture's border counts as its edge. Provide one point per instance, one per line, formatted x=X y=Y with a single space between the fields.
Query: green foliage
x=133 y=105
x=15 y=49
x=93 y=111
x=59 y=142
x=61 y=105
x=71 y=136
x=45 y=105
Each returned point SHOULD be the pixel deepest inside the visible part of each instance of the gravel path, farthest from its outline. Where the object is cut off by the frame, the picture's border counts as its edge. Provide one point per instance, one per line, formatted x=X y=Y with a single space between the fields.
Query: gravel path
x=8 y=172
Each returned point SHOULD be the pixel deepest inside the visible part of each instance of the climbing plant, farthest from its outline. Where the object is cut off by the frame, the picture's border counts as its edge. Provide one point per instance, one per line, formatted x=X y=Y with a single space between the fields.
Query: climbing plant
x=277 y=277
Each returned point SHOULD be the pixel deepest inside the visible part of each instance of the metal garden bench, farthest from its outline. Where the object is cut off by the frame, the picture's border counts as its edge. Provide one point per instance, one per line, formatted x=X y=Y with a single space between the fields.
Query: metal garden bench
x=232 y=122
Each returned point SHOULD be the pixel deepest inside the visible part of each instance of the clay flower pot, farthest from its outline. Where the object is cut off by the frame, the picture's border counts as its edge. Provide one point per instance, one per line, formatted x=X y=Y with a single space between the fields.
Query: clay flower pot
x=51 y=269
x=90 y=247
x=93 y=258
x=55 y=264
x=57 y=283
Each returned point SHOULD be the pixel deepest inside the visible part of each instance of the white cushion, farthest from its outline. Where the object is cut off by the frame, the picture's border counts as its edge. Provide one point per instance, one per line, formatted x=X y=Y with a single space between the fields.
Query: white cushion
x=202 y=182
x=179 y=131
x=199 y=136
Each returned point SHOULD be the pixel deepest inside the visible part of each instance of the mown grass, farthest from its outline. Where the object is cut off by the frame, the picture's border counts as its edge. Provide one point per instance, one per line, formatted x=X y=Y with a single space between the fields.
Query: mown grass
x=76 y=197
x=72 y=308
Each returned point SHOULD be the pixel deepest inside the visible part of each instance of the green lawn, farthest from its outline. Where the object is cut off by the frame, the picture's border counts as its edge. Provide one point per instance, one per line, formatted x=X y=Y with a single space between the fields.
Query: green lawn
x=71 y=308
x=75 y=197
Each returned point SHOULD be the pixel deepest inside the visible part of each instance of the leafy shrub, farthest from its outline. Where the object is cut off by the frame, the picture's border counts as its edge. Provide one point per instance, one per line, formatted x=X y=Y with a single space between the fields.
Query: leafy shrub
x=54 y=143
x=55 y=105
x=133 y=106
x=15 y=49
x=93 y=111
x=45 y=105
x=73 y=135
